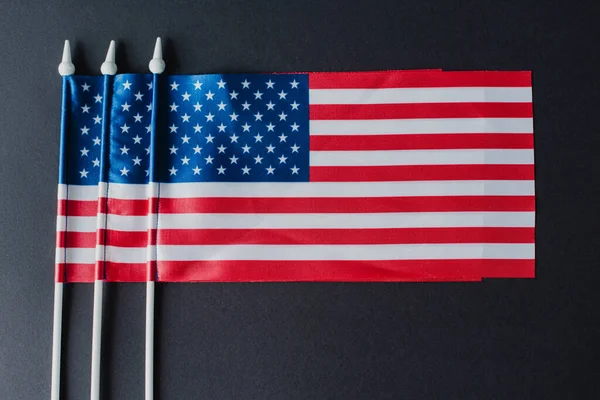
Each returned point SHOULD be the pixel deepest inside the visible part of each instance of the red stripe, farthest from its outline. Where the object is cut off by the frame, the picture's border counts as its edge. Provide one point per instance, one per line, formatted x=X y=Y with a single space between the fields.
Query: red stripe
x=422 y=142
x=343 y=236
x=77 y=208
x=79 y=273
x=266 y=205
x=124 y=238
x=347 y=271
x=124 y=207
x=418 y=110
x=415 y=79
x=126 y=272
x=421 y=173
x=75 y=239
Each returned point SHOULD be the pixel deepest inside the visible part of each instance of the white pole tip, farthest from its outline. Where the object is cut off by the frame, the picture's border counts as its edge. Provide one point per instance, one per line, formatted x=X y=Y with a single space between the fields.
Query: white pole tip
x=66 y=67
x=108 y=66
x=157 y=65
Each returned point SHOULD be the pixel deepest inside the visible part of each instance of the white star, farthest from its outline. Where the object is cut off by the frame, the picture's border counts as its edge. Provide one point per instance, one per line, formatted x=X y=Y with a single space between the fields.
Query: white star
x=295 y=148
x=149 y=85
x=124 y=150
x=258 y=160
x=282 y=159
x=85 y=130
x=149 y=107
x=174 y=107
x=137 y=139
x=84 y=173
x=127 y=85
x=295 y=127
x=221 y=106
x=209 y=138
x=197 y=106
x=197 y=128
x=233 y=159
x=209 y=95
x=294 y=105
x=98 y=98
x=246 y=84
x=85 y=87
x=84 y=152
x=125 y=128
x=197 y=85
x=96 y=162
x=270 y=170
x=233 y=116
x=138 y=117
x=173 y=171
x=186 y=96
x=197 y=170
x=270 y=84
x=233 y=95
x=246 y=106
x=197 y=149
x=138 y=96
x=258 y=116
x=221 y=127
x=270 y=127
x=173 y=128
x=97 y=119
x=96 y=141
x=246 y=148
x=85 y=109
x=233 y=138
x=294 y=84
x=282 y=116
x=137 y=161
x=124 y=171
x=185 y=160
x=174 y=86
x=149 y=128
x=147 y=150
x=209 y=117
x=282 y=138
x=209 y=159
x=270 y=106
x=295 y=170
x=246 y=170
x=246 y=127
x=125 y=106
x=173 y=150
x=221 y=170
x=282 y=95
x=221 y=149
x=185 y=139
x=270 y=148
x=146 y=171
x=258 y=138
x=221 y=84
x=257 y=95
x=185 y=118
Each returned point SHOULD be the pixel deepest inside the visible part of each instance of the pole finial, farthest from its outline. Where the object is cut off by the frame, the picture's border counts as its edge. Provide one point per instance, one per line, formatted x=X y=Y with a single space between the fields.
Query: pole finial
x=157 y=65
x=66 y=67
x=108 y=66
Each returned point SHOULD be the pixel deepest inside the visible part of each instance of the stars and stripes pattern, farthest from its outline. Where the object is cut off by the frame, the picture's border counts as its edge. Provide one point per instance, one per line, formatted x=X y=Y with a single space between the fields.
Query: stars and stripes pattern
x=323 y=176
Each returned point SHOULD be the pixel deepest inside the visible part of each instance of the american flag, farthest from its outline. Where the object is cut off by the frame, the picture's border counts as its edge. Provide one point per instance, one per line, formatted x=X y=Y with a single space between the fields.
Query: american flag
x=321 y=176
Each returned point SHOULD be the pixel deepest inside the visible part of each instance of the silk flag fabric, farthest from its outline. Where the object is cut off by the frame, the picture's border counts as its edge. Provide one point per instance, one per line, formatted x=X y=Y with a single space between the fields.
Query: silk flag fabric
x=367 y=176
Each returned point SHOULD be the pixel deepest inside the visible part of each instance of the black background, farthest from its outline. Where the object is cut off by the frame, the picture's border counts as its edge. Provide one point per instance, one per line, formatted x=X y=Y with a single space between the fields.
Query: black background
x=500 y=339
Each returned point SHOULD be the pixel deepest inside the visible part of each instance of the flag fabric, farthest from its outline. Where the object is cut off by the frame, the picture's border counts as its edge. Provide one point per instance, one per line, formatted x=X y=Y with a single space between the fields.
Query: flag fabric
x=372 y=176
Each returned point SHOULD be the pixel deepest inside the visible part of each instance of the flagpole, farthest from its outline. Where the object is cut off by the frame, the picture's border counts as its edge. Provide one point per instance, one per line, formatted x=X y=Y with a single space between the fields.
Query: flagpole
x=156 y=66
x=108 y=69
x=65 y=68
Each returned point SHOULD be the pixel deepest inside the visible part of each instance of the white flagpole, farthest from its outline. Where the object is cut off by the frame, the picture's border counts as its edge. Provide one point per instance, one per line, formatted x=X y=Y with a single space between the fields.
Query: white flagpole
x=108 y=68
x=156 y=66
x=65 y=68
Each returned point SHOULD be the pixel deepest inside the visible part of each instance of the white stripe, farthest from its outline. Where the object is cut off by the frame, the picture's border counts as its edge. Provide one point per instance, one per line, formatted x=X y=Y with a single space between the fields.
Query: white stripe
x=76 y=224
x=76 y=256
x=420 y=95
x=127 y=222
x=354 y=221
x=78 y=192
x=421 y=126
x=347 y=252
x=130 y=191
x=347 y=189
x=420 y=157
x=126 y=254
